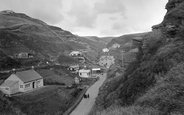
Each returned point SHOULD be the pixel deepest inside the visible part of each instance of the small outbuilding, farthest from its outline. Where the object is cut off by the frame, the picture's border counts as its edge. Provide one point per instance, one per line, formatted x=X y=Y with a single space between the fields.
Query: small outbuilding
x=76 y=80
x=73 y=68
x=96 y=70
x=85 y=73
x=21 y=82
x=75 y=54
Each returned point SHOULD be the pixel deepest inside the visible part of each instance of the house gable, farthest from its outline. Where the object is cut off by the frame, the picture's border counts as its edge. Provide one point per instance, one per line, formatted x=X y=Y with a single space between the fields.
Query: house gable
x=13 y=77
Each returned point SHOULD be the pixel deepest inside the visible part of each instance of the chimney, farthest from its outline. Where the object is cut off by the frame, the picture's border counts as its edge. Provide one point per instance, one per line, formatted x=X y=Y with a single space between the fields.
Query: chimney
x=32 y=67
x=13 y=71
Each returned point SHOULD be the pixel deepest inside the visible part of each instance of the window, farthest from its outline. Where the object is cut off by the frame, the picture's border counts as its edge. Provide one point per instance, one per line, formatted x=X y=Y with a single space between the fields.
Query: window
x=21 y=86
x=27 y=85
x=6 y=88
x=38 y=82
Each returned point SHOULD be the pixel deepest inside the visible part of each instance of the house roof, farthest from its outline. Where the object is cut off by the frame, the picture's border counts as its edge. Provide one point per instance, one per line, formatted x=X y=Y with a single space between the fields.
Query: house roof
x=94 y=69
x=28 y=75
x=74 y=66
x=75 y=52
x=8 y=83
x=84 y=70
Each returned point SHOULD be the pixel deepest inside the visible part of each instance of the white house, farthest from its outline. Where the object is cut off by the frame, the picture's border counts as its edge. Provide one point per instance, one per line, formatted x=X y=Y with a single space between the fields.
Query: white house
x=21 y=82
x=105 y=50
x=75 y=53
x=106 y=61
x=86 y=73
x=96 y=70
x=116 y=45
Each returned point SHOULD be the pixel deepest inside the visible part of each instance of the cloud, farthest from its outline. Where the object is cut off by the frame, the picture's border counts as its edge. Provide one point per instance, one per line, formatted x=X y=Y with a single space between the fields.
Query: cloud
x=116 y=26
x=46 y=10
x=109 y=6
x=93 y=17
x=83 y=13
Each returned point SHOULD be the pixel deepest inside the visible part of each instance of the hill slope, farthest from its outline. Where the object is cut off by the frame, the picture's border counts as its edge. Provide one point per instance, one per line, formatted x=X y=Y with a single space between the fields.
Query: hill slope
x=153 y=83
x=21 y=33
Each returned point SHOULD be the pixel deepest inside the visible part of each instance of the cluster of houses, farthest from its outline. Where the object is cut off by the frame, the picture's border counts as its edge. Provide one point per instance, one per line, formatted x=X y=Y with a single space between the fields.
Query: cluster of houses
x=84 y=72
x=23 y=81
x=106 y=61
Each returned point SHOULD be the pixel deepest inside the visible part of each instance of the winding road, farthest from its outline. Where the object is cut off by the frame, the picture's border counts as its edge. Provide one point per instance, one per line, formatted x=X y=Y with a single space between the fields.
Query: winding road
x=86 y=104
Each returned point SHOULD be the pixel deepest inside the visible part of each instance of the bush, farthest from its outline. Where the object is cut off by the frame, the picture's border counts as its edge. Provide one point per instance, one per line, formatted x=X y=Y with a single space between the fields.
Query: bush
x=167 y=95
x=132 y=110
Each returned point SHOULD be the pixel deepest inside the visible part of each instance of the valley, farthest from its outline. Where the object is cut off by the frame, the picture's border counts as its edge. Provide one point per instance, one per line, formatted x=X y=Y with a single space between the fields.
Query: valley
x=46 y=70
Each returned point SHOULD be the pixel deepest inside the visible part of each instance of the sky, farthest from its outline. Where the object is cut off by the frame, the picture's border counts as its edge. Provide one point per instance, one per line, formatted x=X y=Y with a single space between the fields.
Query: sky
x=93 y=17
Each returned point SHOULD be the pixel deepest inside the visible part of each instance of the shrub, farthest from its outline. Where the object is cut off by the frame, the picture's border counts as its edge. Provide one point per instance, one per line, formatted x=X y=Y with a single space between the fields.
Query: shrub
x=167 y=95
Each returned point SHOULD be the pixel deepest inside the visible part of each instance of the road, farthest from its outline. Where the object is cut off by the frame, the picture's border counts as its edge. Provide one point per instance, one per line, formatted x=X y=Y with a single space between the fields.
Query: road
x=86 y=104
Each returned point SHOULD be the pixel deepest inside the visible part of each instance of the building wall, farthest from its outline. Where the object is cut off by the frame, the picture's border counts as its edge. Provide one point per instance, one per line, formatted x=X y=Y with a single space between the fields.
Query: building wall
x=13 y=77
x=14 y=89
x=84 y=74
x=40 y=84
x=33 y=85
x=107 y=62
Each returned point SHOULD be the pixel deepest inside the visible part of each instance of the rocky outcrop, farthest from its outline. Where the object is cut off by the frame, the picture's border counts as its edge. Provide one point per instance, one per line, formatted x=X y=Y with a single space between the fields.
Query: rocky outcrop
x=173 y=22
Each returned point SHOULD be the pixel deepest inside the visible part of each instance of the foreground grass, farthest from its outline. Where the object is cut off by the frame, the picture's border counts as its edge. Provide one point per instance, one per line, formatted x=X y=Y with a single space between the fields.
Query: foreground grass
x=50 y=100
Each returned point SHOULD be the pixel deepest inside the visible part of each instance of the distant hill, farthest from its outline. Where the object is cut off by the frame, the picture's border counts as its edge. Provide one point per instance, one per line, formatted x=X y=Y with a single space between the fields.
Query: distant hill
x=105 y=40
x=122 y=40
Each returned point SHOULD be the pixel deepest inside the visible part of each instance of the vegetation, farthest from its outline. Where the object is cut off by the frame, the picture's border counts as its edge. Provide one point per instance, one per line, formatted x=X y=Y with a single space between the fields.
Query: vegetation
x=153 y=84
x=47 y=100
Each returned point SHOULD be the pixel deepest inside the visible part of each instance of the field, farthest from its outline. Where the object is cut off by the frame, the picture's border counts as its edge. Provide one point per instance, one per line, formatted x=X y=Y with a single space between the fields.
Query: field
x=49 y=99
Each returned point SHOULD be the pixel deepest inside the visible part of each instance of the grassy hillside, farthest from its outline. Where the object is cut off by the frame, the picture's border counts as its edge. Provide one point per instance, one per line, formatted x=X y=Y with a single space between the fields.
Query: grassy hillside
x=153 y=83
x=21 y=33
x=122 y=40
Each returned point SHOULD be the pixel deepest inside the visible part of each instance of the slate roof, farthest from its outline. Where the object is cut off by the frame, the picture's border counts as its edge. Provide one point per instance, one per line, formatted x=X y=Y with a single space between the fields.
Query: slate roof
x=28 y=75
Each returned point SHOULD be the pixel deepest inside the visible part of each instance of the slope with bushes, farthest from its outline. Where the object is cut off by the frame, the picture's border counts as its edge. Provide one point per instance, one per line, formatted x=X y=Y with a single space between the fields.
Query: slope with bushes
x=152 y=84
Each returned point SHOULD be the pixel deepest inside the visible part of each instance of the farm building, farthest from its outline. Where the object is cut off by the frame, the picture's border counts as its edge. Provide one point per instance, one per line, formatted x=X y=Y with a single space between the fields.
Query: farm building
x=96 y=70
x=106 y=61
x=23 y=55
x=75 y=53
x=21 y=82
x=85 y=73
x=105 y=50
x=73 y=68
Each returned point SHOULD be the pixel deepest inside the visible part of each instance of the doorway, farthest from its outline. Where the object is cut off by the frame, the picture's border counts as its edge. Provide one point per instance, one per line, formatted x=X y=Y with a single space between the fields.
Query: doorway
x=33 y=85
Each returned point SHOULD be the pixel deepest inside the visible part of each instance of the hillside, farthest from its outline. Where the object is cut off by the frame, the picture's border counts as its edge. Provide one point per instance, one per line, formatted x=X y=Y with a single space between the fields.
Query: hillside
x=153 y=83
x=21 y=33
x=105 y=40
x=122 y=40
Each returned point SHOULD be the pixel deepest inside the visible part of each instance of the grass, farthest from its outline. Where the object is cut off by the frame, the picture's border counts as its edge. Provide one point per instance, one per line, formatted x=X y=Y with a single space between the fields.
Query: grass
x=47 y=100
x=56 y=77
x=132 y=110
x=167 y=94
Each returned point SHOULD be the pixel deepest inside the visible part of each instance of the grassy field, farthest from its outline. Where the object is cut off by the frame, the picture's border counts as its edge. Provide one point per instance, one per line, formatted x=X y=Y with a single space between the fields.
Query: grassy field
x=50 y=100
